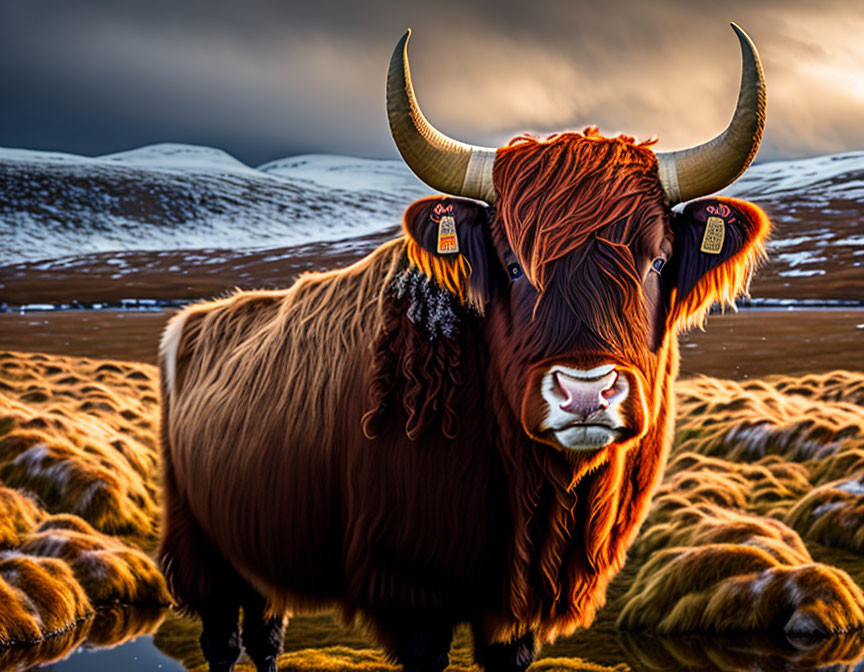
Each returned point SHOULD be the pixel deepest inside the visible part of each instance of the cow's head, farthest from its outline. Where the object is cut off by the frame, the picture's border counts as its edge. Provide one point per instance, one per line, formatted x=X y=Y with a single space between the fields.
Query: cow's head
x=571 y=251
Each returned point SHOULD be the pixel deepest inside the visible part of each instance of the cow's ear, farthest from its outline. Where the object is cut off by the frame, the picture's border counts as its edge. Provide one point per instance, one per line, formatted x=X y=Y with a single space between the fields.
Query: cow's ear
x=718 y=243
x=448 y=239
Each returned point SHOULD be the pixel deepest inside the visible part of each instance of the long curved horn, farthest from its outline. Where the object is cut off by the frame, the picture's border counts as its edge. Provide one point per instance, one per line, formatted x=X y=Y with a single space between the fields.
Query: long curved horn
x=441 y=162
x=691 y=173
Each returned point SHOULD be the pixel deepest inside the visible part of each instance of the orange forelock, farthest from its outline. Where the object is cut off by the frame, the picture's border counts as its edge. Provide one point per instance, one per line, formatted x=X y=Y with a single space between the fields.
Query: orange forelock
x=555 y=192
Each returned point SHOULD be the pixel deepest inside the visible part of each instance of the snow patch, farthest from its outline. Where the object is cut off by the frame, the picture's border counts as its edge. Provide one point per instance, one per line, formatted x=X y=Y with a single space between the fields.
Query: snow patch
x=822 y=509
x=855 y=487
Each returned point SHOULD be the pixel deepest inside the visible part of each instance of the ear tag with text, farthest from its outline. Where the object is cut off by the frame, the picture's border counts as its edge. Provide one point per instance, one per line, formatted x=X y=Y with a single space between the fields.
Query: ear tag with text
x=715 y=234
x=448 y=243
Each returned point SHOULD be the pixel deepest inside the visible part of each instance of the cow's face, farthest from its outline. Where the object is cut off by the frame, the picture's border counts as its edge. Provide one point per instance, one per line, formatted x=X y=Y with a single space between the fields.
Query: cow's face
x=584 y=276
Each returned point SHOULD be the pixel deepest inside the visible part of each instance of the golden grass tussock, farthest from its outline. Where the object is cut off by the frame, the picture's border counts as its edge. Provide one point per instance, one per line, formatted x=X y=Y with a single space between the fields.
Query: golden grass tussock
x=769 y=487
x=833 y=515
x=109 y=627
x=745 y=421
x=736 y=588
x=62 y=571
x=720 y=550
x=81 y=434
x=842 y=386
x=77 y=436
x=845 y=463
x=57 y=647
x=109 y=571
x=709 y=569
x=708 y=524
x=19 y=514
x=736 y=653
x=40 y=598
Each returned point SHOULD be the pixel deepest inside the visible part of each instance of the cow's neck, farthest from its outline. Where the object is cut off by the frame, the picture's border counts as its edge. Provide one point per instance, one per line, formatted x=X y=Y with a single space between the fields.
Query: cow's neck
x=565 y=544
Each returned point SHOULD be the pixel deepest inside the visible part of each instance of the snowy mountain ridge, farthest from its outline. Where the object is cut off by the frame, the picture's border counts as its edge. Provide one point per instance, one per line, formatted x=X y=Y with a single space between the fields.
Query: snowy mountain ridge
x=183 y=197
x=170 y=197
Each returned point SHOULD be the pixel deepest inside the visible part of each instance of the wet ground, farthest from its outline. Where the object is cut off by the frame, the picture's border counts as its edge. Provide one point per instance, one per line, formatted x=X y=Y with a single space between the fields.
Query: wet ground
x=752 y=342
x=138 y=655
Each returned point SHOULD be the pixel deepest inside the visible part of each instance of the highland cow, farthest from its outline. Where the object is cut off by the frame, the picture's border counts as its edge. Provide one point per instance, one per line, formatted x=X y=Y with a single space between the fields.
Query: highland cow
x=467 y=425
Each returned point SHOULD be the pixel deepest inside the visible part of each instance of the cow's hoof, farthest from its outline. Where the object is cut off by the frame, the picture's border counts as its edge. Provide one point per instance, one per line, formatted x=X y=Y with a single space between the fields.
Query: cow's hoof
x=515 y=656
x=221 y=667
x=266 y=665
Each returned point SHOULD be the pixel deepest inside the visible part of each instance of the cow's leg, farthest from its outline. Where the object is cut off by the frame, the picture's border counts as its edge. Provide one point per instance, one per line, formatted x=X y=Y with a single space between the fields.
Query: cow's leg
x=201 y=581
x=262 y=636
x=420 y=644
x=513 y=656
x=220 y=637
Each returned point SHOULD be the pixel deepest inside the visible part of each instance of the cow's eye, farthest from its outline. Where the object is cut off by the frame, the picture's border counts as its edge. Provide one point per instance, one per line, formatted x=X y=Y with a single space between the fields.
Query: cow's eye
x=658 y=264
x=514 y=270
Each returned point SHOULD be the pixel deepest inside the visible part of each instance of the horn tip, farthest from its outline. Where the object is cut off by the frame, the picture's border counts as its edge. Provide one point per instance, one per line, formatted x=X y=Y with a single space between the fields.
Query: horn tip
x=740 y=32
x=402 y=44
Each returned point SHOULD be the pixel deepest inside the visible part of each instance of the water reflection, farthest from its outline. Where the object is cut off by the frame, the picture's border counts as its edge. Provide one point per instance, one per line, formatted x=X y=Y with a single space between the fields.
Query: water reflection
x=108 y=635
x=839 y=653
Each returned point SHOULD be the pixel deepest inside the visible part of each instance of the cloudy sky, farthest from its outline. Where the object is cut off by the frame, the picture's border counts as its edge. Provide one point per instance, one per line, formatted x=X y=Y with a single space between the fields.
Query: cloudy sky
x=264 y=79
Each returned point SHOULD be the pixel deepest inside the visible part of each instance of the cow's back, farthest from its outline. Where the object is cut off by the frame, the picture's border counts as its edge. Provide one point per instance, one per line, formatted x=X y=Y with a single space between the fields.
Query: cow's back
x=262 y=389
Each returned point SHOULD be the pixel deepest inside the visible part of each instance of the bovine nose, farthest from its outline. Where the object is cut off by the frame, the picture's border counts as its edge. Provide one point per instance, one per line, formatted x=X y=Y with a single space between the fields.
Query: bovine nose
x=585 y=396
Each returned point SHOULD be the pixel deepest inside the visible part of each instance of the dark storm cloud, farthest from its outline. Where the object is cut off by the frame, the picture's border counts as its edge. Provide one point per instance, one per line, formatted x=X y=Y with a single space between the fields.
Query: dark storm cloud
x=264 y=79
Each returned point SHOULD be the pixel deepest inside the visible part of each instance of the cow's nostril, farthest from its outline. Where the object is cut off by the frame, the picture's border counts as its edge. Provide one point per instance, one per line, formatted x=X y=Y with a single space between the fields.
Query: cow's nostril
x=585 y=395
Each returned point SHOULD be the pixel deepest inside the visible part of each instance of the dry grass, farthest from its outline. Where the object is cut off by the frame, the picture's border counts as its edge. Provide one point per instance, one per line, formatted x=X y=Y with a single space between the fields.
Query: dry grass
x=40 y=598
x=109 y=571
x=310 y=652
x=833 y=515
x=734 y=654
x=81 y=434
x=768 y=487
x=19 y=514
x=720 y=549
x=756 y=583
x=753 y=530
x=796 y=419
x=77 y=439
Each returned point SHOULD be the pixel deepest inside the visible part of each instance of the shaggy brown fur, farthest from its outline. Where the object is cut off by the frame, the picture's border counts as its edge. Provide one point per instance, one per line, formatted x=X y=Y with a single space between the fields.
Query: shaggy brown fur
x=268 y=476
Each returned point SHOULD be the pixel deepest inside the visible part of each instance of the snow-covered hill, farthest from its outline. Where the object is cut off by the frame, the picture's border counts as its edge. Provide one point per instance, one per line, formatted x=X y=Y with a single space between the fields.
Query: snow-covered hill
x=170 y=197
x=817 y=207
x=196 y=211
x=817 y=182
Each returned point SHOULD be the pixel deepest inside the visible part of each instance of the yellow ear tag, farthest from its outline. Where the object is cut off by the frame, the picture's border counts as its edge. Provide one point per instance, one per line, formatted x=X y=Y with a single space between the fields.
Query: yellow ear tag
x=448 y=243
x=715 y=234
